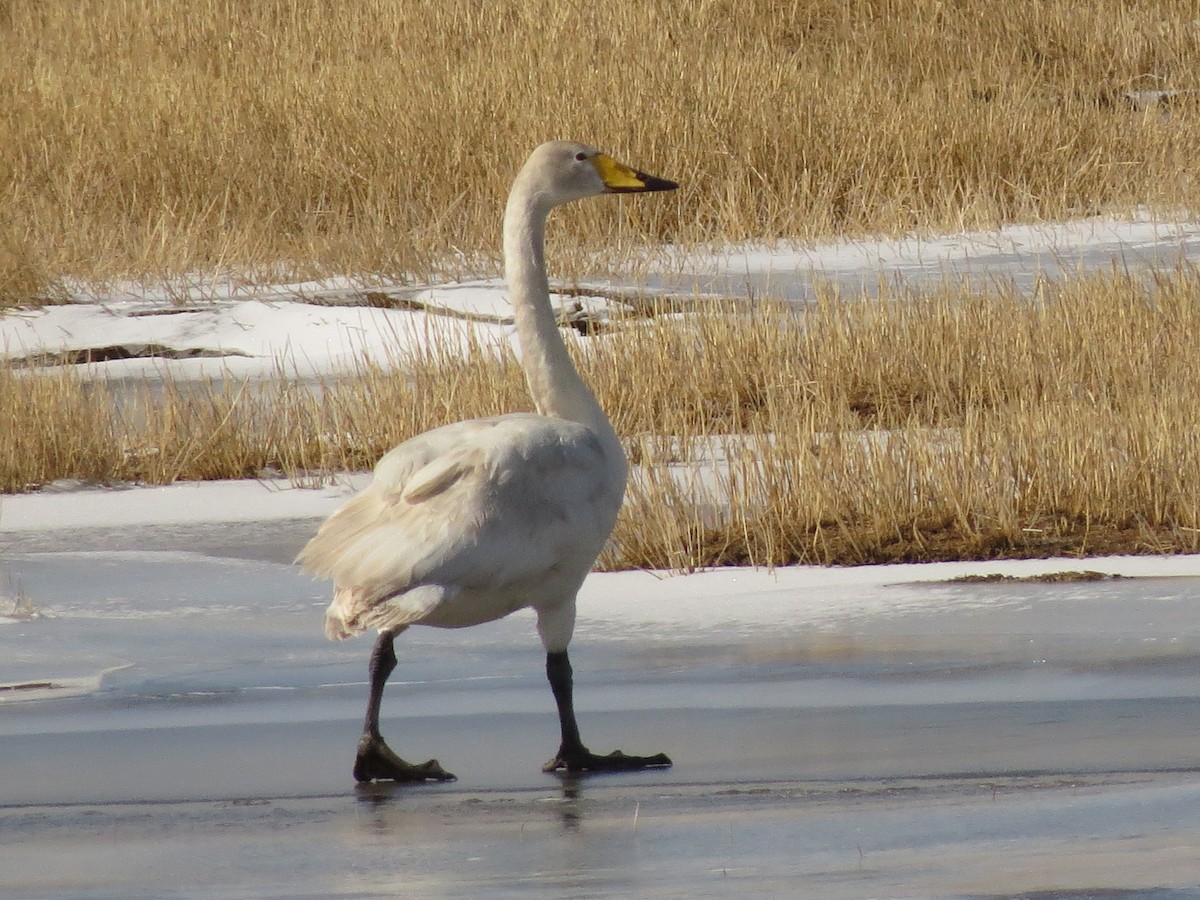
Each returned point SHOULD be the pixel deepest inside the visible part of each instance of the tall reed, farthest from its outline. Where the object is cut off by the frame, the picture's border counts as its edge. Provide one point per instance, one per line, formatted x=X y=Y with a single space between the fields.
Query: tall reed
x=308 y=137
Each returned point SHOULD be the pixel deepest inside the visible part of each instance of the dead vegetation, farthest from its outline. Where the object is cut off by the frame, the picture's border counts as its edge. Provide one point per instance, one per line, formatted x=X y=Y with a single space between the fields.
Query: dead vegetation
x=290 y=139
x=1069 y=577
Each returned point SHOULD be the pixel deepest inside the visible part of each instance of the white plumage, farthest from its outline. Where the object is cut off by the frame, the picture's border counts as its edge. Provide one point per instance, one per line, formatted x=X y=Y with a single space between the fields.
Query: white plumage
x=467 y=523
x=472 y=521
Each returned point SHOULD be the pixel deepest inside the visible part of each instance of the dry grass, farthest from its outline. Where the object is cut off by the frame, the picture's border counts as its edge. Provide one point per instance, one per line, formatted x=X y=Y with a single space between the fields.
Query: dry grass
x=953 y=426
x=60 y=424
x=377 y=138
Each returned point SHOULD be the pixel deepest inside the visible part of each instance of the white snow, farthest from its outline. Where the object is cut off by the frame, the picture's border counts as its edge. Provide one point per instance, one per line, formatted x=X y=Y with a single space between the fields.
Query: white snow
x=1017 y=255
x=294 y=328
x=241 y=338
x=187 y=503
x=1142 y=240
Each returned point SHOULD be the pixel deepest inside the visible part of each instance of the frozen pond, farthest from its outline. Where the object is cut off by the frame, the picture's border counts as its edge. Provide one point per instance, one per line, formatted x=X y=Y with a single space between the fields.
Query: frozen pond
x=865 y=733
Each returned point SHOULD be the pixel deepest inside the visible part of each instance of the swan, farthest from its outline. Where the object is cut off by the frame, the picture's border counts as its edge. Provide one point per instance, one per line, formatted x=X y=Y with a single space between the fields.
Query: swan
x=472 y=521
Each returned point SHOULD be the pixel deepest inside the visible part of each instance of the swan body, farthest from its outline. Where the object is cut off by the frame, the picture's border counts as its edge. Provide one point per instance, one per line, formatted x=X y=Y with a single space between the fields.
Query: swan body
x=472 y=521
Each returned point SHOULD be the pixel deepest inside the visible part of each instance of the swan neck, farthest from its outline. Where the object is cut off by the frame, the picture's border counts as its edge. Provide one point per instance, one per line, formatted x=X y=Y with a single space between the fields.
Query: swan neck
x=554 y=384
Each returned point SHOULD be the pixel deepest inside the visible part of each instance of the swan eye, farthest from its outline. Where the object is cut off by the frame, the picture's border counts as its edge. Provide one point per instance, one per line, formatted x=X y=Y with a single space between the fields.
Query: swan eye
x=580 y=156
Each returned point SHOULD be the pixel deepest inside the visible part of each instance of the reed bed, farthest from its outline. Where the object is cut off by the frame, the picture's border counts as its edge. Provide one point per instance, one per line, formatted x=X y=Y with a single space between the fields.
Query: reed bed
x=299 y=138
x=956 y=425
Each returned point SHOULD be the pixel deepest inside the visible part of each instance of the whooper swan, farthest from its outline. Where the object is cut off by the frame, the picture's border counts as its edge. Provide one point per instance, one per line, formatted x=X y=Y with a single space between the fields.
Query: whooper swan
x=472 y=521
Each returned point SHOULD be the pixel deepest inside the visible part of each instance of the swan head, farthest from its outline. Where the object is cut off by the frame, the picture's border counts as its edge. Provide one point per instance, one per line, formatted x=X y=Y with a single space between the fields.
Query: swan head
x=562 y=171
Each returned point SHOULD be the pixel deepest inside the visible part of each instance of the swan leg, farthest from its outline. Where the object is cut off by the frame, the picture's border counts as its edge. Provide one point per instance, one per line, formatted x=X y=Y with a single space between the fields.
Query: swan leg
x=573 y=756
x=375 y=760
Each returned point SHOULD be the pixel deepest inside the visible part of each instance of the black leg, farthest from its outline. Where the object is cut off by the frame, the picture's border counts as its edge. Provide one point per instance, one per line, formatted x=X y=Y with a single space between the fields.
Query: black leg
x=562 y=683
x=573 y=756
x=381 y=666
x=375 y=760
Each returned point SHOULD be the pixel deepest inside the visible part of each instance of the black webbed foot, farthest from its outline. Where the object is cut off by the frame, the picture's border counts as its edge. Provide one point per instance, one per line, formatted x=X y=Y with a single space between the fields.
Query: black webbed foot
x=376 y=761
x=583 y=760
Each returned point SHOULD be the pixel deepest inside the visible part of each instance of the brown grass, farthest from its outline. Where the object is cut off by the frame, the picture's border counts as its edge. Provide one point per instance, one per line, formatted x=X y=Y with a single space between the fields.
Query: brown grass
x=950 y=426
x=1068 y=577
x=959 y=426
x=61 y=424
x=374 y=138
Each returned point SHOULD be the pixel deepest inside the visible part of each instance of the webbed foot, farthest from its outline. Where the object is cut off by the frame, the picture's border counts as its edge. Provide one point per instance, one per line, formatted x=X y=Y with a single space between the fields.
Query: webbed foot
x=376 y=761
x=583 y=760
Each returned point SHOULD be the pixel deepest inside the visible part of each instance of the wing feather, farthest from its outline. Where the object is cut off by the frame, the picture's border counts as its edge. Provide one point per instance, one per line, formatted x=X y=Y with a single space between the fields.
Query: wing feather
x=488 y=509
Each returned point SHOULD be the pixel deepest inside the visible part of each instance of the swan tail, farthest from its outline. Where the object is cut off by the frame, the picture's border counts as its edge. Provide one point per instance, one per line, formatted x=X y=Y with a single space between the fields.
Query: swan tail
x=352 y=611
x=342 y=619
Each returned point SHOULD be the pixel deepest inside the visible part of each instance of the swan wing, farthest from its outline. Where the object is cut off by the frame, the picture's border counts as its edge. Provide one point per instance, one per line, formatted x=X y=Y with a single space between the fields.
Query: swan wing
x=467 y=523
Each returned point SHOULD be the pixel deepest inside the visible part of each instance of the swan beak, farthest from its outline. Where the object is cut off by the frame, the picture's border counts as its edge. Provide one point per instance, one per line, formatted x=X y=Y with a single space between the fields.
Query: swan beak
x=620 y=179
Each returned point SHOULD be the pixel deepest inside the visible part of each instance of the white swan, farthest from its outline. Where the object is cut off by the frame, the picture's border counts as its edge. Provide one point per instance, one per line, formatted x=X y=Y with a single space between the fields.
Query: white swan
x=472 y=521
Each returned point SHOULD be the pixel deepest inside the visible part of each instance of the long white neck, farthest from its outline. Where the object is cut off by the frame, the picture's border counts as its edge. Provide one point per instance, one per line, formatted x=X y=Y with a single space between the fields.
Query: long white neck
x=555 y=385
